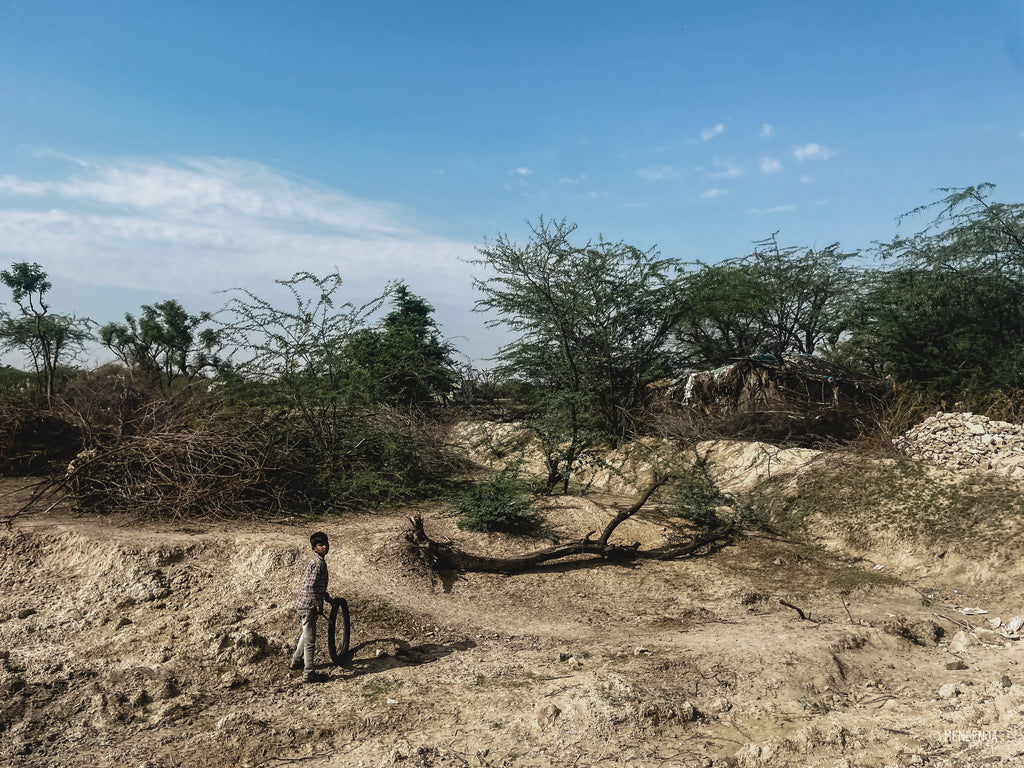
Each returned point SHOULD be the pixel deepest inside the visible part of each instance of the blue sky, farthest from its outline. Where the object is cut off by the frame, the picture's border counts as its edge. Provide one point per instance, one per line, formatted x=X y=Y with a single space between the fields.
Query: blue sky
x=173 y=150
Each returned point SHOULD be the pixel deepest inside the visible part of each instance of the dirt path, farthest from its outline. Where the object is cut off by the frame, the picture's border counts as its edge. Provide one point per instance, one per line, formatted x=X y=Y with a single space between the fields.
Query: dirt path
x=130 y=645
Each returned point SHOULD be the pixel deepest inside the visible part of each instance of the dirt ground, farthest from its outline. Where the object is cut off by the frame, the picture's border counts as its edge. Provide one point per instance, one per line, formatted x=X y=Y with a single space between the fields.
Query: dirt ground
x=156 y=645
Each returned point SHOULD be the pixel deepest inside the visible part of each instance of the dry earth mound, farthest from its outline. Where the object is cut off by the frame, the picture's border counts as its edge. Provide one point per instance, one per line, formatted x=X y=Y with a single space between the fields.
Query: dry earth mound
x=149 y=645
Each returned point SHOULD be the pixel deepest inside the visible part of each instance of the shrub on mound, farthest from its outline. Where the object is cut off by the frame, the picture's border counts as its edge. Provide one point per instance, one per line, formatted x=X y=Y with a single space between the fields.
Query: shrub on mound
x=500 y=504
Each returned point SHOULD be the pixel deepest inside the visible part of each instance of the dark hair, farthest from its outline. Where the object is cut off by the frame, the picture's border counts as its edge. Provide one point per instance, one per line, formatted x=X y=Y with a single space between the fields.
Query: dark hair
x=317 y=538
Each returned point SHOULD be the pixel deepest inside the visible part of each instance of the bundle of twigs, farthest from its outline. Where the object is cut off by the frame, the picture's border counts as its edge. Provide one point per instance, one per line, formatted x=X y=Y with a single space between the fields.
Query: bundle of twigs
x=180 y=474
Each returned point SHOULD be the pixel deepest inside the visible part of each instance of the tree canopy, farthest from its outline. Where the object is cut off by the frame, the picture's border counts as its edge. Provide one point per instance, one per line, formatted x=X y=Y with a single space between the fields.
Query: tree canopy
x=48 y=339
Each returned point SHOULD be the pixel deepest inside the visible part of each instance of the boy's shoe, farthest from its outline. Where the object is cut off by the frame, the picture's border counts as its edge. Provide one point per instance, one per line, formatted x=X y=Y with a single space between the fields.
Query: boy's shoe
x=314 y=677
x=295 y=667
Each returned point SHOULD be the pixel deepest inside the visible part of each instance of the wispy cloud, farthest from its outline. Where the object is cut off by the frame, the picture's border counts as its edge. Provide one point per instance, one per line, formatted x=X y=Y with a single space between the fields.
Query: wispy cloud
x=722 y=169
x=766 y=131
x=714 y=193
x=774 y=209
x=658 y=173
x=522 y=171
x=709 y=133
x=770 y=165
x=812 y=151
x=573 y=179
x=200 y=225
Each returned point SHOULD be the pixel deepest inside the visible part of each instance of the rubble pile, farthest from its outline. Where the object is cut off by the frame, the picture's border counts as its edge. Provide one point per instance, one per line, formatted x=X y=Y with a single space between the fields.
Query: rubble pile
x=966 y=441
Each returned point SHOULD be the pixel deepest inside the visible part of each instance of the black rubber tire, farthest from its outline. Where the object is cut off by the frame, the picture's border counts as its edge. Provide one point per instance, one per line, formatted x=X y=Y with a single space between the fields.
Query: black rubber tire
x=339 y=653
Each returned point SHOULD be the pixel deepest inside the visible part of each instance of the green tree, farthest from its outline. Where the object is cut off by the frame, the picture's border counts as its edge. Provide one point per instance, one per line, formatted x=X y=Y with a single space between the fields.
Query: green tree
x=719 y=321
x=594 y=323
x=405 y=360
x=294 y=380
x=298 y=354
x=164 y=343
x=969 y=230
x=779 y=300
x=946 y=331
x=950 y=315
x=48 y=339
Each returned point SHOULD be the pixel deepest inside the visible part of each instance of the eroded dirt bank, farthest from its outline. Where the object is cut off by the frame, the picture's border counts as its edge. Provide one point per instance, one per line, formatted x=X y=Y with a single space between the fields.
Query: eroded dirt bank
x=123 y=644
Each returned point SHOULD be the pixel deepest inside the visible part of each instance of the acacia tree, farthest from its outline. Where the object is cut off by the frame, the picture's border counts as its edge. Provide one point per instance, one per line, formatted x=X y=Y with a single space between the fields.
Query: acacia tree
x=164 y=343
x=950 y=315
x=947 y=331
x=293 y=379
x=298 y=353
x=778 y=300
x=594 y=323
x=47 y=339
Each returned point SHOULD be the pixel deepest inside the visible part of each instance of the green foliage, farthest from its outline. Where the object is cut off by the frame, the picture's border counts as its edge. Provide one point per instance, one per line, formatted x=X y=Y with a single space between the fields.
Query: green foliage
x=500 y=504
x=293 y=359
x=295 y=379
x=594 y=324
x=163 y=343
x=404 y=360
x=48 y=340
x=948 y=331
x=777 y=300
x=14 y=379
x=950 y=317
x=697 y=499
x=751 y=513
x=696 y=496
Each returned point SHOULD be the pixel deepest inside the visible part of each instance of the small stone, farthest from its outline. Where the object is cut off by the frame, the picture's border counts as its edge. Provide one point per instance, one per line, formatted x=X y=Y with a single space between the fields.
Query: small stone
x=948 y=691
x=958 y=664
x=546 y=716
x=963 y=640
x=1006 y=682
x=640 y=651
x=718 y=706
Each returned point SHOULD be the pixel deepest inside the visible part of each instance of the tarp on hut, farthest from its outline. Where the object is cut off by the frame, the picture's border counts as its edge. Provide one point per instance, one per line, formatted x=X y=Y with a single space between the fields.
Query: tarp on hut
x=798 y=382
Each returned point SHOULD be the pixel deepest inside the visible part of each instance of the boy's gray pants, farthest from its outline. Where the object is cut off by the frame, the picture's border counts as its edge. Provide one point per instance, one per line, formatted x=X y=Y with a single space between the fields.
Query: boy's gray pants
x=307 y=641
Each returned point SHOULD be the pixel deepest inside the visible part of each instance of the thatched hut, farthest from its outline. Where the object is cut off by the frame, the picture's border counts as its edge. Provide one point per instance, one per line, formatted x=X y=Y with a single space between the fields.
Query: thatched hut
x=796 y=397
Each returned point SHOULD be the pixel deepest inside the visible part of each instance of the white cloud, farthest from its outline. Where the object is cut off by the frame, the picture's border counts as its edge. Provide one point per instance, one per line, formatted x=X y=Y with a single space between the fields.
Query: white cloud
x=203 y=225
x=812 y=150
x=523 y=171
x=722 y=169
x=766 y=131
x=658 y=173
x=573 y=179
x=770 y=165
x=709 y=133
x=714 y=193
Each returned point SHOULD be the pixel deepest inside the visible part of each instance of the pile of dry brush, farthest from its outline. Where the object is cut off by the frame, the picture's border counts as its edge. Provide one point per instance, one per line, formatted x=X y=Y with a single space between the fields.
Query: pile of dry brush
x=109 y=446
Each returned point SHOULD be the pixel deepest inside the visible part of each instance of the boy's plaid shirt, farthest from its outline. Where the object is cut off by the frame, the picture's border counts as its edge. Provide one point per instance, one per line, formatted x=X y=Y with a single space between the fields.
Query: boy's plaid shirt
x=314 y=585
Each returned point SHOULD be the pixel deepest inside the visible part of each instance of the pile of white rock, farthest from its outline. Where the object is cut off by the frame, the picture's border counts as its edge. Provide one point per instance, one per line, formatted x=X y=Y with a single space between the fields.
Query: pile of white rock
x=966 y=441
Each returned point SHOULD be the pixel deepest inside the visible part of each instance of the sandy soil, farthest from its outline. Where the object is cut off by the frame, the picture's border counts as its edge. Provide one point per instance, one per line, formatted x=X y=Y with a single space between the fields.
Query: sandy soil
x=156 y=645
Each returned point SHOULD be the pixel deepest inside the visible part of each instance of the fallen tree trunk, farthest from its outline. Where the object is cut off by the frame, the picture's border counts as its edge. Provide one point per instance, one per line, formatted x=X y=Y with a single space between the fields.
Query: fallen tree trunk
x=446 y=556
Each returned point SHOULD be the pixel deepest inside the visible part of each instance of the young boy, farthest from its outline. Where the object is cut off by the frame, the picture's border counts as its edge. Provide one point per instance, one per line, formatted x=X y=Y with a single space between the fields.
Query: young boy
x=312 y=593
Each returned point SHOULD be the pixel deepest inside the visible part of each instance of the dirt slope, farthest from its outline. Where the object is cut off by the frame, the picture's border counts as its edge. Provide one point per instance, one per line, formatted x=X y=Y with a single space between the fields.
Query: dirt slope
x=130 y=645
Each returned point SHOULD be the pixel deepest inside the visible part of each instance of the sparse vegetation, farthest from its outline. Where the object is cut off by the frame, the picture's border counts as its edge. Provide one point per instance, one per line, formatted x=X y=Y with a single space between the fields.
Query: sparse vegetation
x=500 y=504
